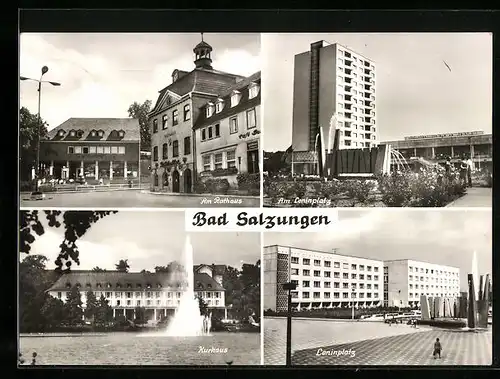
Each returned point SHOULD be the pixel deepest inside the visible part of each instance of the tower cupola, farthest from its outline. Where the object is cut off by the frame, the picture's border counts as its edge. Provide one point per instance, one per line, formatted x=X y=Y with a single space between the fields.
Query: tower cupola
x=202 y=55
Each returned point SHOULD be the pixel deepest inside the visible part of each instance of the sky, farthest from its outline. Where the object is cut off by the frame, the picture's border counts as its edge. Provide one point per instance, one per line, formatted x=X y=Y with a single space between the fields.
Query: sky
x=445 y=238
x=101 y=74
x=415 y=92
x=148 y=239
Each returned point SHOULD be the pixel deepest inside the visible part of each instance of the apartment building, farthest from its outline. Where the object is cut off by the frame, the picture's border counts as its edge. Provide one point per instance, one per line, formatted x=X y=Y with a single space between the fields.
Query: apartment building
x=323 y=279
x=332 y=80
x=157 y=293
x=406 y=280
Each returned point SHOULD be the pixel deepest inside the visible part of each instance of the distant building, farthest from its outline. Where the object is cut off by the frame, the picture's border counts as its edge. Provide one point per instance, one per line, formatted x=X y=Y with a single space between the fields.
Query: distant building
x=156 y=292
x=173 y=164
x=323 y=279
x=437 y=147
x=227 y=132
x=96 y=148
x=406 y=280
x=328 y=80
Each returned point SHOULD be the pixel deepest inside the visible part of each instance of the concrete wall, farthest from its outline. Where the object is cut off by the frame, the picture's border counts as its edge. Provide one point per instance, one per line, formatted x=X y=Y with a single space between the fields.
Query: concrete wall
x=270 y=277
x=398 y=283
x=327 y=87
x=300 y=120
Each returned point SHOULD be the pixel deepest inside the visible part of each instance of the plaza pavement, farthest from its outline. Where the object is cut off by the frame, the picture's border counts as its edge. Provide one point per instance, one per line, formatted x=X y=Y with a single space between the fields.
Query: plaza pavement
x=372 y=344
x=136 y=199
x=475 y=197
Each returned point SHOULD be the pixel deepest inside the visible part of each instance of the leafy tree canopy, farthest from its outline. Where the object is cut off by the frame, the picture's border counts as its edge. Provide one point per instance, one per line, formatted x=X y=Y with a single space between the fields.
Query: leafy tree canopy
x=140 y=112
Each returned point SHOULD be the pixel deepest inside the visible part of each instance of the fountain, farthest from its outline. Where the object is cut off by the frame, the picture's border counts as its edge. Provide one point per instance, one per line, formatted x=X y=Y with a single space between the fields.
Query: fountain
x=188 y=320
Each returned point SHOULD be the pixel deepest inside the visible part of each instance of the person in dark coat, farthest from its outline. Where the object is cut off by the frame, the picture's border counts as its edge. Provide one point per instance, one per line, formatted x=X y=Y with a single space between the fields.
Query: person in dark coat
x=437 y=349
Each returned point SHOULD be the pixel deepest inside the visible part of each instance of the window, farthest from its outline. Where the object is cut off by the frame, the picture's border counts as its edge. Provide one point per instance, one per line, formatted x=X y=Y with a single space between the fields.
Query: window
x=328 y=264
x=100 y=149
x=235 y=98
x=217 y=130
x=92 y=149
x=175 y=148
x=78 y=149
x=85 y=150
x=295 y=259
x=253 y=91
x=231 y=160
x=114 y=149
x=175 y=117
x=100 y=133
x=187 y=112
x=218 y=160
x=155 y=125
x=219 y=106
x=71 y=150
x=187 y=145
x=164 y=121
x=72 y=133
x=121 y=149
x=155 y=153
x=305 y=283
x=251 y=119
x=295 y=271
x=210 y=132
x=233 y=125
x=121 y=134
x=203 y=134
x=209 y=110
x=306 y=261
x=206 y=163
x=164 y=150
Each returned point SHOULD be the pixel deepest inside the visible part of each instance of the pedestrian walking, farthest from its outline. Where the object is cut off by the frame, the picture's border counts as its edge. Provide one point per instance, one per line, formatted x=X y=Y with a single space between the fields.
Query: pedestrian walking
x=437 y=349
x=470 y=170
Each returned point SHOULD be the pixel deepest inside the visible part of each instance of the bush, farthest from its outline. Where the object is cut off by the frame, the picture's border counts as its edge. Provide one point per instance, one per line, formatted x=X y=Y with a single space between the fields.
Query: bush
x=217 y=186
x=360 y=190
x=285 y=190
x=46 y=188
x=249 y=182
x=337 y=313
x=26 y=185
x=448 y=324
x=200 y=187
x=395 y=189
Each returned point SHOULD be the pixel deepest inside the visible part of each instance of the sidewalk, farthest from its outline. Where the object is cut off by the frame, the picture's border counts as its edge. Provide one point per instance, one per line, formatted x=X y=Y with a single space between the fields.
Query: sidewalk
x=475 y=197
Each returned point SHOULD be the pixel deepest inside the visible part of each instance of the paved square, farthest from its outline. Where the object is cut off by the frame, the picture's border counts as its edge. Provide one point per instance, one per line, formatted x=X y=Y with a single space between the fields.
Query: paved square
x=372 y=344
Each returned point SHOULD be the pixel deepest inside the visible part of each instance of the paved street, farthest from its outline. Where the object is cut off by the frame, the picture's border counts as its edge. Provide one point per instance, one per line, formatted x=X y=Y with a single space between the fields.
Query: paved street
x=368 y=343
x=136 y=199
x=476 y=197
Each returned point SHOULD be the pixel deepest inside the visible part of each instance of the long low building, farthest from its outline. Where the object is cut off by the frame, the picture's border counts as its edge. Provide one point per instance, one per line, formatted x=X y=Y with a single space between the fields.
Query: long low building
x=158 y=293
x=323 y=279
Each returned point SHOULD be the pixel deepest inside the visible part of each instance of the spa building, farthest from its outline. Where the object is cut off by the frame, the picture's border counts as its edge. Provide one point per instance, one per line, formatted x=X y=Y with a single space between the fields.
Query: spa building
x=156 y=292
x=174 y=166
x=95 y=148
x=332 y=79
x=406 y=280
x=323 y=279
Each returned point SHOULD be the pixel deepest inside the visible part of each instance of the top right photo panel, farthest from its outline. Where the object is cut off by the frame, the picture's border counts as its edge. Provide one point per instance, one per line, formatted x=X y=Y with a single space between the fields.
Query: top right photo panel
x=377 y=120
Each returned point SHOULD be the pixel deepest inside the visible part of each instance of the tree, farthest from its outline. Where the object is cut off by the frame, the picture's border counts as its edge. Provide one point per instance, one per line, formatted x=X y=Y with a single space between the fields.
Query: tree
x=76 y=224
x=203 y=306
x=74 y=310
x=140 y=112
x=122 y=265
x=28 y=138
x=104 y=313
x=53 y=311
x=91 y=306
x=140 y=315
x=161 y=269
x=98 y=269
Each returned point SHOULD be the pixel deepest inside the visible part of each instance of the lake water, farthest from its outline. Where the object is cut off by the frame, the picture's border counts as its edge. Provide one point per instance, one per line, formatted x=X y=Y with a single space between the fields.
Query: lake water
x=142 y=349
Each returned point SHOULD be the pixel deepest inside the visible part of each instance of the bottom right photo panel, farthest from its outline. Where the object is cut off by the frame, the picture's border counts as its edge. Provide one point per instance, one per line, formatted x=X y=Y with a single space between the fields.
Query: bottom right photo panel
x=382 y=287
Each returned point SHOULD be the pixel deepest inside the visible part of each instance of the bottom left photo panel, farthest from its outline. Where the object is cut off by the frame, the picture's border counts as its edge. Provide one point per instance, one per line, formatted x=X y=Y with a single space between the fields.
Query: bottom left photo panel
x=134 y=288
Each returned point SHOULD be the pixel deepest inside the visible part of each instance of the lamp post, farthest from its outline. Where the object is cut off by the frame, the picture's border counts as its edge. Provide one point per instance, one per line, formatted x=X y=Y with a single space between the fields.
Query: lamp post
x=352 y=298
x=39 y=81
x=289 y=287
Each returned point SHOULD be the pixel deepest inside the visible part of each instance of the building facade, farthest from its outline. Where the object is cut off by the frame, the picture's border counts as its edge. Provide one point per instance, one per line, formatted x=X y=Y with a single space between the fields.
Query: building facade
x=173 y=155
x=406 y=280
x=437 y=147
x=156 y=292
x=227 y=132
x=323 y=279
x=93 y=148
x=332 y=80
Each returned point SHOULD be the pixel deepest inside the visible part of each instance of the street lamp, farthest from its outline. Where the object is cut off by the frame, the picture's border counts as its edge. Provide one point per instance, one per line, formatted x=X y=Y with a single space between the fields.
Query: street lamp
x=352 y=299
x=39 y=81
x=289 y=287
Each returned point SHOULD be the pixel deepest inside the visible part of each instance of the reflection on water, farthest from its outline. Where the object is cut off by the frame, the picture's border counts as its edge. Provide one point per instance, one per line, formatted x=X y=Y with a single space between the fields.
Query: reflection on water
x=128 y=349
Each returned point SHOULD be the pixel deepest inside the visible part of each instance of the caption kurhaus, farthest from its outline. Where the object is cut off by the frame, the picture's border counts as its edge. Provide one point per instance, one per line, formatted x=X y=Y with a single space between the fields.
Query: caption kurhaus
x=269 y=222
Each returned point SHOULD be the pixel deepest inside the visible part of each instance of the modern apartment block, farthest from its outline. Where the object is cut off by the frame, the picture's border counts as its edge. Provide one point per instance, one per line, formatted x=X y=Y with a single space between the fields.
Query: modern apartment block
x=324 y=279
x=332 y=79
x=406 y=280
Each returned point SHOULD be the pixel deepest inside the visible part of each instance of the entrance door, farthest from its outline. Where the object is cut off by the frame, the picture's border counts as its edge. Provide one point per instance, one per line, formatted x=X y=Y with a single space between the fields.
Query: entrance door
x=188 y=181
x=253 y=161
x=175 y=181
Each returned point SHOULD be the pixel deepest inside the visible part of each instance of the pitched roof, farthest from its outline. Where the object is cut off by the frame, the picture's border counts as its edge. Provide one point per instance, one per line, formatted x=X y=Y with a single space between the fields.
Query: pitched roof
x=217 y=269
x=199 y=80
x=110 y=127
x=228 y=111
x=133 y=281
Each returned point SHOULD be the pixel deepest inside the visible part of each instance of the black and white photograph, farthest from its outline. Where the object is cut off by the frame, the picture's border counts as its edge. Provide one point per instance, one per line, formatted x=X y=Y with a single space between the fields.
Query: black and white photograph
x=149 y=120
x=133 y=288
x=384 y=287
x=377 y=120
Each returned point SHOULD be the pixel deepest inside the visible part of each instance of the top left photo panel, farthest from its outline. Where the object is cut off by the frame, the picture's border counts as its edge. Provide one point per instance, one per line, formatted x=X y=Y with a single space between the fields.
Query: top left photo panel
x=151 y=120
